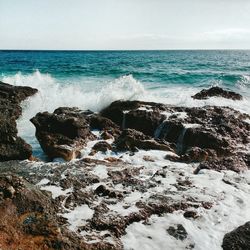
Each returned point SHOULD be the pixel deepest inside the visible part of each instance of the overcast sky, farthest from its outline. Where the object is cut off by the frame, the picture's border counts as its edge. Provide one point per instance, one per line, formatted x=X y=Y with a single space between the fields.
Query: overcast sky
x=124 y=24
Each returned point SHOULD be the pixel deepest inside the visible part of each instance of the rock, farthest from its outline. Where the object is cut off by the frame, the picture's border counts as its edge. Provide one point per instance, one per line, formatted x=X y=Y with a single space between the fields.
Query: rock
x=102 y=146
x=143 y=121
x=233 y=163
x=190 y=214
x=109 y=128
x=15 y=94
x=29 y=218
x=142 y=116
x=217 y=91
x=217 y=131
x=18 y=149
x=178 y=232
x=131 y=139
x=12 y=147
x=238 y=239
x=63 y=133
x=197 y=154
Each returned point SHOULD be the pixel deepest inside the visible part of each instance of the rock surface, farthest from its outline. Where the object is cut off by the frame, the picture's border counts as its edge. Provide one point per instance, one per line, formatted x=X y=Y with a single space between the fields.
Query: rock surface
x=217 y=91
x=29 y=219
x=62 y=134
x=238 y=239
x=199 y=133
x=11 y=146
x=131 y=140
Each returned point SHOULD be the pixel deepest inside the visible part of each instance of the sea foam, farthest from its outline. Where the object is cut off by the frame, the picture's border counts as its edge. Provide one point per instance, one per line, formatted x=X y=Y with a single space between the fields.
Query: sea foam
x=97 y=93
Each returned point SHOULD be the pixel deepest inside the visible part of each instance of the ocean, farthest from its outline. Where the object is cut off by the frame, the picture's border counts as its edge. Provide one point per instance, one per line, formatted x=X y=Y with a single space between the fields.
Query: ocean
x=94 y=79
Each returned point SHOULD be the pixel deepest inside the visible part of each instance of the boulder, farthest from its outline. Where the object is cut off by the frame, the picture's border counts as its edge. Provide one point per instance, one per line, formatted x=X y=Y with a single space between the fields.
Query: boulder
x=12 y=147
x=217 y=91
x=62 y=133
x=238 y=239
x=102 y=146
x=142 y=116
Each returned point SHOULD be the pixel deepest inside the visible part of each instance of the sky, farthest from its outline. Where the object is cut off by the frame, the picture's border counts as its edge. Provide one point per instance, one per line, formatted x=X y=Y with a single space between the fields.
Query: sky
x=124 y=24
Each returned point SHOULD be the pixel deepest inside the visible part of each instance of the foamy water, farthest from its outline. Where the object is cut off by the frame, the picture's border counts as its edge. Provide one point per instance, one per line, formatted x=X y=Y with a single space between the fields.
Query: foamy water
x=96 y=95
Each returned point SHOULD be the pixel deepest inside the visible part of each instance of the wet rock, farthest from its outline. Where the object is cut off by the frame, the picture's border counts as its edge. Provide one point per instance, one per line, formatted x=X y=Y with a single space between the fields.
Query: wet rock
x=131 y=139
x=233 y=163
x=15 y=94
x=12 y=147
x=190 y=214
x=142 y=116
x=109 y=128
x=217 y=131
x=238 y=239
x=178 y=232
x=102 y=146
x=197 y=154
x=62 y=133
x=143 y=121
x=217 y=91
x=29 y=218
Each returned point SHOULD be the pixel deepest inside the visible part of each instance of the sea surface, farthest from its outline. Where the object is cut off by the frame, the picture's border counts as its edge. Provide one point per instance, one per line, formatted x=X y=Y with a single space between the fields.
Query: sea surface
x=93 y=79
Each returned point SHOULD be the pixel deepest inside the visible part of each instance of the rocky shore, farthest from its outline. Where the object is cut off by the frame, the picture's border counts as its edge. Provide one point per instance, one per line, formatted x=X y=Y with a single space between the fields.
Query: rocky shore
x=132 y=172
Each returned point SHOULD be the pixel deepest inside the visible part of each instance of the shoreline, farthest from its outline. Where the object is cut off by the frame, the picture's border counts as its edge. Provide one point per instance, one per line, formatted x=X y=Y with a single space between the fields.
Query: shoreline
x=141 y=166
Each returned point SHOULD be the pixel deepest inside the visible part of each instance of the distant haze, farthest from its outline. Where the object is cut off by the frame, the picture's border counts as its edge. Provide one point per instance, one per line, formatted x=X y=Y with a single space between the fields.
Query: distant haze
x=124 y=24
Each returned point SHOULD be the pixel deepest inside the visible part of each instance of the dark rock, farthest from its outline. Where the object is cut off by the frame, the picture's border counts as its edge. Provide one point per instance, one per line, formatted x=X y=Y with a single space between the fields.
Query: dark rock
x=233 y=163
x=29 y=218
x=12 y=147
x=131 y=139
x=17 y=150
x=197 y=154
x=238 y=239
x=127 y=114
x=102 y=146
x=178 y=232
x=15 y=94
x=109 y=128
x=217 y=91
x=217 y=131
x=143 y=121
x=62 y=134
x=190 y=214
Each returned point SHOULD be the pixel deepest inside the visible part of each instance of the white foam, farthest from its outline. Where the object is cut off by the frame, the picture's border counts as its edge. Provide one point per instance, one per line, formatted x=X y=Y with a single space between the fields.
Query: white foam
x=100 y=171
x=56 y=191
x=78 y=216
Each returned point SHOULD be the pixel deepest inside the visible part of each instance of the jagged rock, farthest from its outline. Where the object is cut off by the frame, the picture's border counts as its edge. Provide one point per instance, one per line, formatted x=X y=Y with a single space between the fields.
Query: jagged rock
x=29 y=218
x=238 y=239
x=217 y=91
x=109 y=128
x=62 y=133
x=12 y=147
x=142 y=116
x=233 y=163
x=15 y=94
x=131 y=139
x=219 y=130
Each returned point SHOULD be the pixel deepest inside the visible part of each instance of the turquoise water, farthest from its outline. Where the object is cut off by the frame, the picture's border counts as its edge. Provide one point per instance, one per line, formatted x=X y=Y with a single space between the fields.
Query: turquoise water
x=201 y=68
x=93 y=79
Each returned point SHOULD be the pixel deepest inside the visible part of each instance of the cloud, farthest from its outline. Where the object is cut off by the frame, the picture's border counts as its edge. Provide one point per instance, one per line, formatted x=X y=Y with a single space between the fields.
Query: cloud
x=226 y=34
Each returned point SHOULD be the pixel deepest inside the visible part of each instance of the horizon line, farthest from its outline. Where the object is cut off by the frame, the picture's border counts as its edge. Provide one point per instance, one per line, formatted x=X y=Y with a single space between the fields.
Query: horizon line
x=110 y=50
